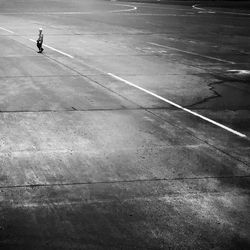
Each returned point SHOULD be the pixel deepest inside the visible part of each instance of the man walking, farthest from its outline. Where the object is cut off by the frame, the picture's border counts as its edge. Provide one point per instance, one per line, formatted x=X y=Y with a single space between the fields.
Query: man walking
x=39 y=41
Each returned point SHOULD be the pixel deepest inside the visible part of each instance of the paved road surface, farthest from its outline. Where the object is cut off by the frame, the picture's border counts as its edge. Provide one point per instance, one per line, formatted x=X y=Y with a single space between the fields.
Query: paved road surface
x=130 y=131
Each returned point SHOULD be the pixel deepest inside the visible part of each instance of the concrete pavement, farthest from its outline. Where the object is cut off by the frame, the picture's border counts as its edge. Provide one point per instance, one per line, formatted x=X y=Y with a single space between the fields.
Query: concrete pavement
x=90 y=162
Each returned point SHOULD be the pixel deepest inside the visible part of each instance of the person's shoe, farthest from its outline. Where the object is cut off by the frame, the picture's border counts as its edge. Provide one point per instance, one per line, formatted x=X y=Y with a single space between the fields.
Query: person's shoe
x=42 y=50
x=39 y=51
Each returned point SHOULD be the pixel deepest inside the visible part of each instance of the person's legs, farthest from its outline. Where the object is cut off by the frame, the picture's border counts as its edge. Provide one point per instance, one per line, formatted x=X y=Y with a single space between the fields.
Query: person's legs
x=39 y=46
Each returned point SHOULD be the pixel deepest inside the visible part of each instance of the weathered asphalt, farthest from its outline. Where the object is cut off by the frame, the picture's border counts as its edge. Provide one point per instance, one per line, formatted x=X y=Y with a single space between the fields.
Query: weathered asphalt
x=89 y=162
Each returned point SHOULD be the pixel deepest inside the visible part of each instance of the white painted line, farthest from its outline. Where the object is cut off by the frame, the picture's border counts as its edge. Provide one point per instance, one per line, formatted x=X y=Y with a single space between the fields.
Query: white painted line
x=157 y=6
x=203 y=10
x=178 y=106
x=59 y=51
x=47 y=46
x=131 y=8
x=7 y=30
x=48 y=13
x=239 y=71
x=235 y=13
x=218 y=11
x=197 y=8
x=151 y=93
x=193 y=53
x=152 y=14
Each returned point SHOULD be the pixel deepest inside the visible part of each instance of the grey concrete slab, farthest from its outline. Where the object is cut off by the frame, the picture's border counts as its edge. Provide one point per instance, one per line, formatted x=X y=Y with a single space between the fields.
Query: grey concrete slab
x=25 y=66
x=85 y=165
x=89 y=45
x=99 y=146
x=57 y=93
x=184 y=89
x=197 y=214
x=140 y=65
x=11 y=48
x=221 y=139
x=143 y=100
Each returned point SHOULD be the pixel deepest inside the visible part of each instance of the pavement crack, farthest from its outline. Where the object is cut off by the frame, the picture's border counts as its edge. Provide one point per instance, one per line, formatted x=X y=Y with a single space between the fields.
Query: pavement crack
x=123 y=181
x=207 y=99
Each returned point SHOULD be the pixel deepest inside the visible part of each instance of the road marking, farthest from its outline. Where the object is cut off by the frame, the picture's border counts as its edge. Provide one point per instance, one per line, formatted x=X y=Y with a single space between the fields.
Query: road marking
x=197 y=8
x=235 y=13
x=152 y=14
x=203 y=10
x=193 y=53
x=178 y=106
x=151 y=93
x=7 y=30
x=59 y=51
x=55 y=13
x=51 y=13
x=161 y=7
x=239 y=71
x=47 y=46
x=223 y=12
x=132 y=8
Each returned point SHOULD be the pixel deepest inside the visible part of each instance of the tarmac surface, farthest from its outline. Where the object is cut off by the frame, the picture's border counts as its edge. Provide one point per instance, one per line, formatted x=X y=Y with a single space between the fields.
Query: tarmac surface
x=130 y=131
